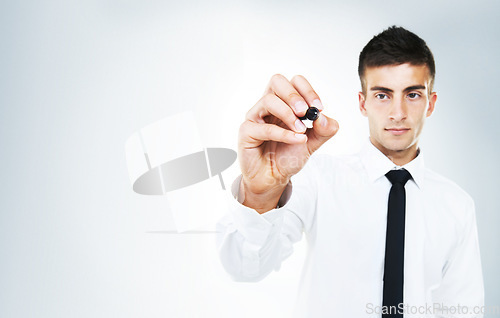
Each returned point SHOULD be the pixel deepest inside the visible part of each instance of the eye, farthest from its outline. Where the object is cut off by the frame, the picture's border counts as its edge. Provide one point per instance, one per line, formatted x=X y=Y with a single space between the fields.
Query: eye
x=381 y=96
x=413 y=95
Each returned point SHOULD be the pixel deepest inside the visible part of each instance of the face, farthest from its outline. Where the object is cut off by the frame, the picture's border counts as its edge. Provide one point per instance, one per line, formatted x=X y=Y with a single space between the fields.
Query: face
x=396 y=102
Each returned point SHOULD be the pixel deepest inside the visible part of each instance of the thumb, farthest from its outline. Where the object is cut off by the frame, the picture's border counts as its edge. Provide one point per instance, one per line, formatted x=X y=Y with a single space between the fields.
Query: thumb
x=323 y=129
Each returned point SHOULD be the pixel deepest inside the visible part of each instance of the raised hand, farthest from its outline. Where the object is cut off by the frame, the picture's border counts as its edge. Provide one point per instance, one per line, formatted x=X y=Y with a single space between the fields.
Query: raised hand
x=274 y=144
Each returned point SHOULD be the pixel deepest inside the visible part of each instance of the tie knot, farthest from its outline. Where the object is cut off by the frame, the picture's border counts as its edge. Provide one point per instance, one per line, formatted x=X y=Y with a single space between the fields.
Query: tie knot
x=400 y=176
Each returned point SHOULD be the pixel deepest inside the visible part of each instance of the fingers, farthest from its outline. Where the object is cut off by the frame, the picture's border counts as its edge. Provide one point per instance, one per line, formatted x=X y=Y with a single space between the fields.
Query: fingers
x=281 y=94
x=286 y=100
x=305 y=89
x=270 y=104
x=254 y=134
x=282 y=88
x=324 y=128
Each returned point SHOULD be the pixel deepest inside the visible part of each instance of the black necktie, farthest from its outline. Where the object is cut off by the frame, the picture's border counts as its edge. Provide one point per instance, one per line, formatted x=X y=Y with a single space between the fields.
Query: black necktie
x=395 y=244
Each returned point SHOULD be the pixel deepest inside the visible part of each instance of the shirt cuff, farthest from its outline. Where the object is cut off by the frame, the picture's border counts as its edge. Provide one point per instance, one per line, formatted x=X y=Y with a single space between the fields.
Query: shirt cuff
x=255 y=227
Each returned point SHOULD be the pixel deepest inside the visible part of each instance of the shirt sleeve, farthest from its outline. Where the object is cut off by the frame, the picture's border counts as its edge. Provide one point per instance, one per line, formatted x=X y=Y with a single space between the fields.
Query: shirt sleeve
x=461 y=292
x=251 y=245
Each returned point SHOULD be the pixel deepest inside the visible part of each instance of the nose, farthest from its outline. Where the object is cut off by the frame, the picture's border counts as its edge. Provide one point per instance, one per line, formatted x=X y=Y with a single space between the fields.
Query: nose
x=399 y=110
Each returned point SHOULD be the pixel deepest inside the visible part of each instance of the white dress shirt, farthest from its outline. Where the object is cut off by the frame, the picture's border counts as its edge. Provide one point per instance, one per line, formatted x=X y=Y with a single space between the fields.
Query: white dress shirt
x=340 y=203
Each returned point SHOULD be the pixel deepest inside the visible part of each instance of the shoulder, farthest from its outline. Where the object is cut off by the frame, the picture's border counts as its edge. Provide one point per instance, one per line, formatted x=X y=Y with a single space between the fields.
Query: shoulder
x=445 y=186
x=458 y=202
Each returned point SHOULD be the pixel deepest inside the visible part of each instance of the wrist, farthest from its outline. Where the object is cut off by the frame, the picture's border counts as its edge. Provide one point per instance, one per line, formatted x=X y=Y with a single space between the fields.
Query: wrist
x=261 y=200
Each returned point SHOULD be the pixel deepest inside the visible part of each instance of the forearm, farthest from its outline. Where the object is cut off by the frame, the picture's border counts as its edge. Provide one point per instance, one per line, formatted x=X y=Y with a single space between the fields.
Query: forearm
x=249 y=242
x=252 y=244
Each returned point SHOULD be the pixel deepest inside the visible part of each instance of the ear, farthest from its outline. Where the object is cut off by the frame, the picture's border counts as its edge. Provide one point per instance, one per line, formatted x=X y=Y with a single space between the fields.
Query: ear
x=432 y=103
x=362 y=100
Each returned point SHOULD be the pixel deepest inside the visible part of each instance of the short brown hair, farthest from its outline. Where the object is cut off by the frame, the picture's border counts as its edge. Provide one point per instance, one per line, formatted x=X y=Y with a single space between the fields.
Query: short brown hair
x=395 y=46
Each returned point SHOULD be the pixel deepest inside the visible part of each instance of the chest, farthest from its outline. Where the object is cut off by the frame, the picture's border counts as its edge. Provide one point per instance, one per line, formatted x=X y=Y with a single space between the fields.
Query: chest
x=352 y=227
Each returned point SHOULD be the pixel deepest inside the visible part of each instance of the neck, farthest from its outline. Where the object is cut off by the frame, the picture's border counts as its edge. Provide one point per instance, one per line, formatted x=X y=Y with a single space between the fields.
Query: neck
x=398 y=157
x=401 y=159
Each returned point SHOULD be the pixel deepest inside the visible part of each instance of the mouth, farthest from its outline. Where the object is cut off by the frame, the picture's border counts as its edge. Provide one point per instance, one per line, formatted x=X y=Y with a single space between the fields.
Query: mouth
x=397 y=131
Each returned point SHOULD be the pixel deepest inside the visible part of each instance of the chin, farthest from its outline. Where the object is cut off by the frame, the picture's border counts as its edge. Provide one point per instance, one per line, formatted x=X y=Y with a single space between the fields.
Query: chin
x=397 y=146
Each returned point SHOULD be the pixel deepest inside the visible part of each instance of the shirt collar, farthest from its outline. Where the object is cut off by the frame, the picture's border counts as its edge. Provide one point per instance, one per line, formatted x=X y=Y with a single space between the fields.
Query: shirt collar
x=377 y=164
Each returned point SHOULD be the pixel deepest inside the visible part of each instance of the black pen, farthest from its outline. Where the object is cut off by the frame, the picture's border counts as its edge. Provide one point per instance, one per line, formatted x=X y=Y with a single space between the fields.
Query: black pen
x=312 y=114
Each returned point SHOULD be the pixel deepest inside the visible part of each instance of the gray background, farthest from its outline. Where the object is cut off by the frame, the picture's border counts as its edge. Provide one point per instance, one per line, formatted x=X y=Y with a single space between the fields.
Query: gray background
x=79 y=77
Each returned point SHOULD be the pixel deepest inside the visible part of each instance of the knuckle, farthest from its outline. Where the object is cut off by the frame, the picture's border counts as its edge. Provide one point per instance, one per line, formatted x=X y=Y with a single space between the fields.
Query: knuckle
x=277 y=80
x=277 y=77
x=268 y=130
x=248 y=114
x=268 y=99
x=243 y=128
x=311 y=92
x=293 y=96
x=298 y=78
x=284 y=134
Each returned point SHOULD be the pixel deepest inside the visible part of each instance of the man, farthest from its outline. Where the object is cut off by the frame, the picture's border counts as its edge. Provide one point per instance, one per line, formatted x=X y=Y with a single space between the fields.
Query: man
x=386 y=236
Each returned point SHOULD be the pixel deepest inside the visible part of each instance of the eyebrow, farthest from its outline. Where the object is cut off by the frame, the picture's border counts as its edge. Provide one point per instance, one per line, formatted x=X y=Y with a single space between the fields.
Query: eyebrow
x=385 y=89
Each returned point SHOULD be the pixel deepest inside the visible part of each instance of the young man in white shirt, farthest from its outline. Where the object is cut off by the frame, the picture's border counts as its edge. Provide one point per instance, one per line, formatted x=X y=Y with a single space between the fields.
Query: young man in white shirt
x=341 y=203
